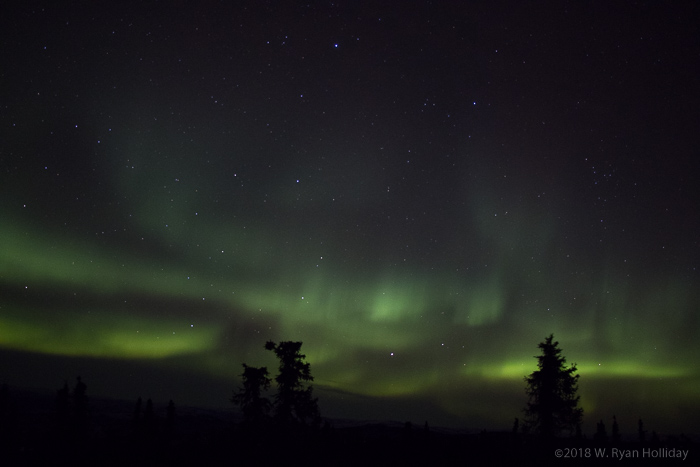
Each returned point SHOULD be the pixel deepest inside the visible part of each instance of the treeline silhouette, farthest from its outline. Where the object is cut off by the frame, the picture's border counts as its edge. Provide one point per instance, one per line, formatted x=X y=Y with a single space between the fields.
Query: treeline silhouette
x=286 y=427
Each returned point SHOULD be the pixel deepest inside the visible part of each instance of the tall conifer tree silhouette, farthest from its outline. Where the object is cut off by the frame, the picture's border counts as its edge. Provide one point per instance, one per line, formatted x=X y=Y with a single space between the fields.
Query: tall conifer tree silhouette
x=553 y=403
x=293 y=402
x=254 y=406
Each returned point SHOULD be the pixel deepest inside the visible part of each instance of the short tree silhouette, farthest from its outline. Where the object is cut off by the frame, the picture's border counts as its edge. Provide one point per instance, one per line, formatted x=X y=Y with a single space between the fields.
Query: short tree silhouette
x=148 y=413
x=137 y=411
x=80 y=405
x=601 y=435
x=254 y=406
x=8 y=428
x=293 y=401
x=170 y=418
x=150 y=422
x=641 y=431
x=654 y=437
x=615 y=430
x=170 y=413
x=553 y=403
x=4 y=401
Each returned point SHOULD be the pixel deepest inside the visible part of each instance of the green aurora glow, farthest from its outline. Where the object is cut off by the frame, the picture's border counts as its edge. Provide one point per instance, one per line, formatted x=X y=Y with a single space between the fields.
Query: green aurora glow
x=414 y=262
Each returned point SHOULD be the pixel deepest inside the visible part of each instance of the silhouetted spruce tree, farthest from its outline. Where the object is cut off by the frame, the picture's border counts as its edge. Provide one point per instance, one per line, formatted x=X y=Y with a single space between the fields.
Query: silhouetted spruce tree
x=293 y=401
x=7 y=425
x=148 y=414
x=80 y=404
x=641 y=431
x=137 y=412
x=601 y=436
x=150 y=423
x=615 y=431
x=170 y=412
x=254 y=406
x=553 y=403
x=170 y=418
x=4 y=401
x=407 y=433
x=427 y=435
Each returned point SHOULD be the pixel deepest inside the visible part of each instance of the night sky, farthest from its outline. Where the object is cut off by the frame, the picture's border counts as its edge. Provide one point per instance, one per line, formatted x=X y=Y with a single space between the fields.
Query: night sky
x=421 y=192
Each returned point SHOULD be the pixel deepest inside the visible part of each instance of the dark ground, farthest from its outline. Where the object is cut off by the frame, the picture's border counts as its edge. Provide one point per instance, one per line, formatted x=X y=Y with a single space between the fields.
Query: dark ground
x=32 y=433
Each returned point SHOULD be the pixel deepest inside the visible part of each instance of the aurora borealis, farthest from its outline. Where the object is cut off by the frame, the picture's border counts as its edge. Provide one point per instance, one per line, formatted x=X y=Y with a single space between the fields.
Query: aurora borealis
x=420 y=194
